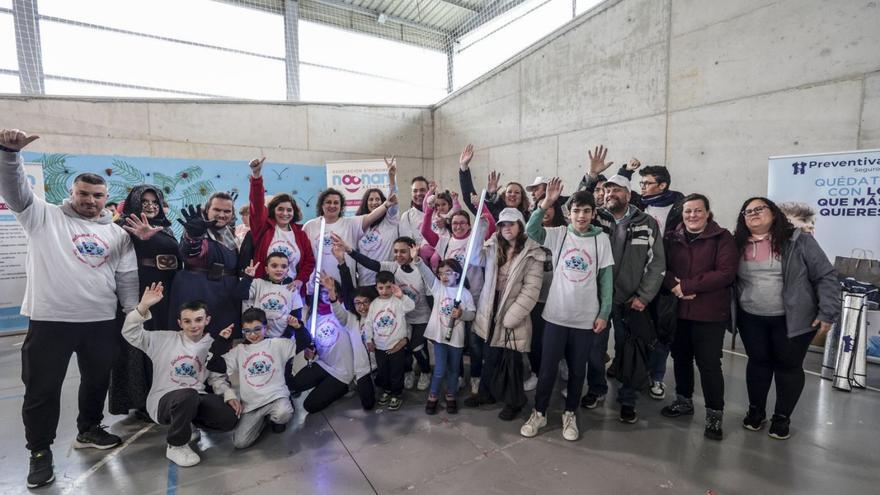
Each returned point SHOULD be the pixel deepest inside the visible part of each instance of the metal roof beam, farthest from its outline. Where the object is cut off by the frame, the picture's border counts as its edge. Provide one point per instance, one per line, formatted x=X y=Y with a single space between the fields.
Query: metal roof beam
x=457 y=3
x=373 y=13
x=495 y=8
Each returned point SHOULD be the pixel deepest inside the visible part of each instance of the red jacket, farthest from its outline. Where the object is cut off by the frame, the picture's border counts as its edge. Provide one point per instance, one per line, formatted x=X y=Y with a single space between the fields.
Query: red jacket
x=706 y=267
x=263 y=230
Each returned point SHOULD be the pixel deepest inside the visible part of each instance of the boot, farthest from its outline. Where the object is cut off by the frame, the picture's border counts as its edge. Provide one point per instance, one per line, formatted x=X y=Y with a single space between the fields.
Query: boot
x=713 y=424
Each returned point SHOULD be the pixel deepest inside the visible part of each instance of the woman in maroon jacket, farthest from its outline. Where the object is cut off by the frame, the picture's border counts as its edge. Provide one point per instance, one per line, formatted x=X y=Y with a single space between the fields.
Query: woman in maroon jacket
x=701 y=263
x=274 y=229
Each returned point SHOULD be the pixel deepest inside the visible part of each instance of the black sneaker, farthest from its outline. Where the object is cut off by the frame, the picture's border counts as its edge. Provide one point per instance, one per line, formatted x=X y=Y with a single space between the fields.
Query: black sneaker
x=384 y=399
x=628 y=414
x=479 y=400
x=431 y=407
x=509 y=413
x=591 y=401
x=40 y=472
x=278 y=427
x=755 y=419
x=679 y=407
x=713 y=429
x=779 y=427
x=451 y=405
x=96 y=437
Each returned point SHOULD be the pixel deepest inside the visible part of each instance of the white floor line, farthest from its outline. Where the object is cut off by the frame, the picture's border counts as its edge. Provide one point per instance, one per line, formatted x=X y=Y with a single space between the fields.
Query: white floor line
x=805 y=371
x=75 y=486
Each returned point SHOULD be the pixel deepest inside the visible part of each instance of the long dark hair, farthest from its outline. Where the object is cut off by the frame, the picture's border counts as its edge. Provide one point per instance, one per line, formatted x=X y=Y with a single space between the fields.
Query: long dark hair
x=445 y=196
x=780 y=230
x=518 y=244
x=363 y=209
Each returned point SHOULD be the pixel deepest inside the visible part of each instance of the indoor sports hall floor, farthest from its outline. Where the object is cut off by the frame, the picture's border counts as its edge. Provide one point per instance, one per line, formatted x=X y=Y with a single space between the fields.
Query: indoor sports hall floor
x=344 y=450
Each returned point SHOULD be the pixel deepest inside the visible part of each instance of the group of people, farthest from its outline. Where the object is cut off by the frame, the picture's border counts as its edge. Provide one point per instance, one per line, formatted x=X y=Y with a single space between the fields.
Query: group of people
x=211 y=322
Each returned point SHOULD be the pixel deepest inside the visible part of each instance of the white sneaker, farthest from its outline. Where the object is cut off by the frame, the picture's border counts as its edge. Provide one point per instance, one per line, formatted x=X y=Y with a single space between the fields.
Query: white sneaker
x=424 y=381
x=536 y=422
x=563 y=370
x=475 y=386
x=183 y=456
x=569 y=426
x=658 y=391
x=409 y=380
x=196 y=434
x=531 y=383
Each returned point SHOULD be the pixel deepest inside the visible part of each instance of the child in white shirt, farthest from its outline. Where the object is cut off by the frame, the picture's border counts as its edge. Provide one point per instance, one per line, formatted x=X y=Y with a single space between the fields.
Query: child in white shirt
x=389 y=333
x=177 y=396
x=275 y=294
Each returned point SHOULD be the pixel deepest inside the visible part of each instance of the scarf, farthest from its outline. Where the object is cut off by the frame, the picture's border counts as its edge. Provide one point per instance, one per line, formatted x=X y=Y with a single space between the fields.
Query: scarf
x=666 y=198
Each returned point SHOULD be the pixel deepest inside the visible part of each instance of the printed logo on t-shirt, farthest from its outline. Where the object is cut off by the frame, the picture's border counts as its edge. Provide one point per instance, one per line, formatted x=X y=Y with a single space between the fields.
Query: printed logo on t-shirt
x=457 y=255
x=273 y=303
x=446 y=306
x=284 y=247
x=370 y=241
x=91 y=249
x=185 y=370
x=259 y=369
x=328 y=244
x=327 y=333
x=576 y=265
x=384 y=322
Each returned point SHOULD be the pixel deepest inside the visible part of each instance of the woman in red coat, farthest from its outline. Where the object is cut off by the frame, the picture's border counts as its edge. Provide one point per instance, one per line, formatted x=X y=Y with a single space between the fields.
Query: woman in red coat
x=274 y=229
x=701 y=263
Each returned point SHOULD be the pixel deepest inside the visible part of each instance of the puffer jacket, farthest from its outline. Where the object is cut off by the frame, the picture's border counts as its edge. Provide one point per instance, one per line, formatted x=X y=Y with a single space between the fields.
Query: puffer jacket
x=517 y=299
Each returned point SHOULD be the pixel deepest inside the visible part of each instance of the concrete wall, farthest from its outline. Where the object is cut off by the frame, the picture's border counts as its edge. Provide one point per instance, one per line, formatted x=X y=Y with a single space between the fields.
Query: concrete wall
x=286 y=133
x=709 y=88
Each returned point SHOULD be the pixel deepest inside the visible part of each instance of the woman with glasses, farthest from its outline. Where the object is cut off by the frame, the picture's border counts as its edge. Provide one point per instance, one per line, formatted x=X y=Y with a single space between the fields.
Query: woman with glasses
x=701 y=261
x=787 y=291
x=157 y=253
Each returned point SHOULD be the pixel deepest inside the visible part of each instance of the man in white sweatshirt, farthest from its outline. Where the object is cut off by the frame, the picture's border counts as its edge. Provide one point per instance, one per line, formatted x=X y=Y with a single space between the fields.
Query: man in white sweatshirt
x=79 y=264
x=180 y=367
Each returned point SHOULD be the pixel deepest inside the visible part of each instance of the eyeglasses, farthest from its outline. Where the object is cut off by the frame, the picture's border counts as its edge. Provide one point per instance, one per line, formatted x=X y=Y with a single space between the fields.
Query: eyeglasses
x=257 y=329
x=647 y=183
x=361 y=303
x=754 y=211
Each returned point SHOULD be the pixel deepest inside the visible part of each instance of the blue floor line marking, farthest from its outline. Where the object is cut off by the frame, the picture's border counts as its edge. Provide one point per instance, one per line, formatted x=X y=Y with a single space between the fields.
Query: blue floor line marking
x=172 y=479
x=19 y=396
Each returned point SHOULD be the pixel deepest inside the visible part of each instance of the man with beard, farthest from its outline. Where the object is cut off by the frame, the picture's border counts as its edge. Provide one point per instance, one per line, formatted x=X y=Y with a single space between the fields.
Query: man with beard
x=210 y=261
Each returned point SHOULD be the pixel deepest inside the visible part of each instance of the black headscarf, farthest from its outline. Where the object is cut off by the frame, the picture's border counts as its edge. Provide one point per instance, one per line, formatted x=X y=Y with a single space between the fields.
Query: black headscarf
x=133 y=204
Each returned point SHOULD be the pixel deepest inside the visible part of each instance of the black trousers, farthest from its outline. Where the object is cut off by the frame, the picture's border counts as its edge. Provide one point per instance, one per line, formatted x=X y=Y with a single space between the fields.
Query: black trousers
x=417 y=348
x=181 y=408
x=701 y=342
x=574 y=344
x=389 y=375
x=773 y=355
x=326 y=388
x=45 y=356
x=366 y=391
x=537 y=337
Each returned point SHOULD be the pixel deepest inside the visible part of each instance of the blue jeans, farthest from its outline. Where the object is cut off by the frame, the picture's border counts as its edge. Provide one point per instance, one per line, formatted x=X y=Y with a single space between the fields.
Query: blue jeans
x=657 y=363
x=446 y=361
x=476 y=344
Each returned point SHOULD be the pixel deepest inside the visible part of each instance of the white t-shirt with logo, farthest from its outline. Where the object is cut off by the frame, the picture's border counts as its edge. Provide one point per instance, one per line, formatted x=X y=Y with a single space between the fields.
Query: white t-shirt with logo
x=284 y=242
x=260 y=370
x=452 y=248
x=411 y=225
x=573 y=300
x=333 y=345
x=71 y=265
x=357 y=333
x=377 y=244
x=387 y=318
x=277 y=301
x=413 y=287
x=178 y=363
x=661 y=214
x=350 y=229
x=441 y=314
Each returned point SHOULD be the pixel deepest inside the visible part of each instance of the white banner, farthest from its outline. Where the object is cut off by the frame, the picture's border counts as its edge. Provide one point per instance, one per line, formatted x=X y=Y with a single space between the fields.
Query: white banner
x=13 y=251
x=842 y=189
x=353 y=178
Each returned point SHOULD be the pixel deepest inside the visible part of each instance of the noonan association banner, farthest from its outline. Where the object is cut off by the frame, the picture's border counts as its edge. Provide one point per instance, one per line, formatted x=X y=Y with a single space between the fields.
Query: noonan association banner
x=841 y=189
x=355 y=177
x=13 y=255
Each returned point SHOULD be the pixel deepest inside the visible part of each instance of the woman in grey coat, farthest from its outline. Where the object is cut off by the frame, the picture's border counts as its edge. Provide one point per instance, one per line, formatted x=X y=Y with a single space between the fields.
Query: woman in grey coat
x=787 y=291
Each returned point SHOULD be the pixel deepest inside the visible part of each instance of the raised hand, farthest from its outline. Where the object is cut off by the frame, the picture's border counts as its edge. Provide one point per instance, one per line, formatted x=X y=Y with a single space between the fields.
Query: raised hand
x=296 y=285
x=256 y=166
x=392 y=199
x=338 y=252
x=391 y=161
x=194 y=221
x=454 y=196
x=554 y=191
x=597 y=160
x=152 y=295
x=466 y=156
x=227 y=332
x=633 y=165
x=414 y=253
x=251 y=269
x=15 y=139
x=293 y=321
x=494 y=179
x=338 y=240
x=328 y=283
x=140 y=227
x=475 y=199
x=396 y=291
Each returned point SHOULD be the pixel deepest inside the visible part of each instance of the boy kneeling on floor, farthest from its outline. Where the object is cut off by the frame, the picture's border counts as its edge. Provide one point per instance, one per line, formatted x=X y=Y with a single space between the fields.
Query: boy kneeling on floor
x=259 y=364
x=178 y=397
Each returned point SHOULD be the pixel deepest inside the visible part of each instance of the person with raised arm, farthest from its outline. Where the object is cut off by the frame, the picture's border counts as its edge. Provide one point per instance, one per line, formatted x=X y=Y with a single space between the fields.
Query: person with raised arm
x=379 y=236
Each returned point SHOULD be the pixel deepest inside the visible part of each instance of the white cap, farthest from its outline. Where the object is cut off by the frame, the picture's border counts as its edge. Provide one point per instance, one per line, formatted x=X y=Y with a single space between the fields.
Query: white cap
x=619 y=180
x=511 y=215
x=538 y=181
